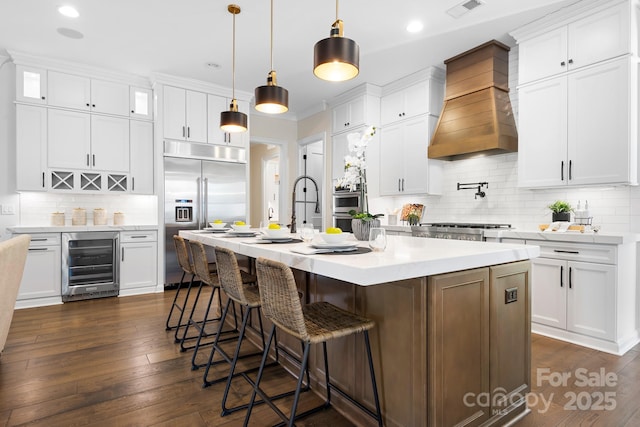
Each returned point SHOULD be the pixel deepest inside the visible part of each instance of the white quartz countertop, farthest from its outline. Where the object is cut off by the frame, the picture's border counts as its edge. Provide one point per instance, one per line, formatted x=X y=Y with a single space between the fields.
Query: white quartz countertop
x=20 y=229
x=567 y=236
x=404 y=258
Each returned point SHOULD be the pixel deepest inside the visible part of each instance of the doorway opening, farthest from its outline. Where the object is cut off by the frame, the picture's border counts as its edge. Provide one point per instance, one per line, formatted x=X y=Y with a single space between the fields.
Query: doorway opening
x=309 y=207
x=268 y=158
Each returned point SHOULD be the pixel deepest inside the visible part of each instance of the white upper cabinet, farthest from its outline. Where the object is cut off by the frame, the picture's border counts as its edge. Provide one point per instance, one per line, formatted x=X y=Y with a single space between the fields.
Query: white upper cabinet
x=404 y=166
x=575 y=129
x=31 y=134
x=141 y=156
x=82 y=93
x=410 y=102
x=593 y=38
x=215 y=105
x=185 y=114
x=69 y=140
x=83 y=141
x=349 y=115
x=109 y=143
x=141 y=103
x=109 y=98
x=31 y=84
x=69 y=91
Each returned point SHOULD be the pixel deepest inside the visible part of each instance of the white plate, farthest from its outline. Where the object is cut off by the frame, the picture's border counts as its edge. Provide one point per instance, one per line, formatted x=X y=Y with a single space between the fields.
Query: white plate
x=217 y=230
x=341 y=245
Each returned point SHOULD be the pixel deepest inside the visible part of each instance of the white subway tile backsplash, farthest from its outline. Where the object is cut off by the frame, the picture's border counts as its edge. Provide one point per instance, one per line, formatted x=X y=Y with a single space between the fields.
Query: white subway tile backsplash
x=614 y=208
x=36 y=208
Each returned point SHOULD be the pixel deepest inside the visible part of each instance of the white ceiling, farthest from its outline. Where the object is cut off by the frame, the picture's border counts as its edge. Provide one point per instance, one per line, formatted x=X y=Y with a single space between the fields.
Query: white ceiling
x=179 y=37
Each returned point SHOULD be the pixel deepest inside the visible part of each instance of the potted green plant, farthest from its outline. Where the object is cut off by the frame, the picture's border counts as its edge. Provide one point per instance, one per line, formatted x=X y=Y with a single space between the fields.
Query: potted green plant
x=560 y=211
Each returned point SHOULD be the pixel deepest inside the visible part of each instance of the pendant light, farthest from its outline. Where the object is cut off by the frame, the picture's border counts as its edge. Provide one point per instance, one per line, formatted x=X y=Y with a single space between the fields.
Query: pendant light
x=272 y=99
x=336 y=58
x=233 y=120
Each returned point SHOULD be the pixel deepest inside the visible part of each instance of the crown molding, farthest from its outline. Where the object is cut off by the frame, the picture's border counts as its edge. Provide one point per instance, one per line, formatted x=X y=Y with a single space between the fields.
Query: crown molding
x=29 y=60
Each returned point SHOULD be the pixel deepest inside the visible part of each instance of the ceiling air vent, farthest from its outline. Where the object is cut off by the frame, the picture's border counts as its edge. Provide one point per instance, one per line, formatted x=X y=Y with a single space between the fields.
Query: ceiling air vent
x=464 y=7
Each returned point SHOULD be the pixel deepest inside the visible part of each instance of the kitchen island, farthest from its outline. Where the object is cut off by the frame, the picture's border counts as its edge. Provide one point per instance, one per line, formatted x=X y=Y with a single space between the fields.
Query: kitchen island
x=452 y=338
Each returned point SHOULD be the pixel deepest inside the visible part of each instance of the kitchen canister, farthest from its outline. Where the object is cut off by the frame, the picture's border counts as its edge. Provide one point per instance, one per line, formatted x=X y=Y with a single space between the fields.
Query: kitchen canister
x=118 y=218
x=79 y=216
x=57 y=219
x=99 y=216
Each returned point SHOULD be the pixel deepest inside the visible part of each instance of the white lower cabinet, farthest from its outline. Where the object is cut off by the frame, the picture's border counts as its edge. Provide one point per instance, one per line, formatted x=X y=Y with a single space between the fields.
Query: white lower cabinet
x=576 y=296
x=585 y=294
x=138 y=262
x=41 y=280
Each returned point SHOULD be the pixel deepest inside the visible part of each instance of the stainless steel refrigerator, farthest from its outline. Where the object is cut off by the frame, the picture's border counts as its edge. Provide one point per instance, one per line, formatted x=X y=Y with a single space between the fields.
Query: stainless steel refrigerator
x=202 y=183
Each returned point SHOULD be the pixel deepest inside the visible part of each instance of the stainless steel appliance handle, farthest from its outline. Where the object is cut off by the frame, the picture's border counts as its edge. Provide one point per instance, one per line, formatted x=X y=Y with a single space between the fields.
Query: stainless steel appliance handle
x=199 y=195
x=205 y=204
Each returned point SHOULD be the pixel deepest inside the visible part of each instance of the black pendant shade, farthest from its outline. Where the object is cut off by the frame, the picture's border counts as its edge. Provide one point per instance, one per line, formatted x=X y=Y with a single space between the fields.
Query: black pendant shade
x=336 y=59
x=271 y=98
x=233 y=120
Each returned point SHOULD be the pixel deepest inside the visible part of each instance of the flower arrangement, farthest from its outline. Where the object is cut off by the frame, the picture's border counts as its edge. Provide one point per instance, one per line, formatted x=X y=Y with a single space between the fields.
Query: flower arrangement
x=355 y=171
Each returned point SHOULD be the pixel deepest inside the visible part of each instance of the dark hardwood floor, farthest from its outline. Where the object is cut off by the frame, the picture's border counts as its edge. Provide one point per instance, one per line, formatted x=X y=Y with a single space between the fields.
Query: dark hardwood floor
x=110 y=362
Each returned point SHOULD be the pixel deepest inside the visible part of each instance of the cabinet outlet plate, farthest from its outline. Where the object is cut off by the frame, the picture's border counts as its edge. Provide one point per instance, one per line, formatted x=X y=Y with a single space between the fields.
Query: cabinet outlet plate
x=8 y=210
x=510 y=295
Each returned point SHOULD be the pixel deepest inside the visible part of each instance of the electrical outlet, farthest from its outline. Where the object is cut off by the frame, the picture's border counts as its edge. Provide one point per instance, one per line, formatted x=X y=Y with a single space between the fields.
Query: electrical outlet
x=510 y=295
x=8 y=210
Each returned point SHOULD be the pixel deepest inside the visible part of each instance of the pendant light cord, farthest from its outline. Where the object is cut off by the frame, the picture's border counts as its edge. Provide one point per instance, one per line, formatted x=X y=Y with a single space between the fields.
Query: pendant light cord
x=271 y=35
x=337 y=10
x=233 y=60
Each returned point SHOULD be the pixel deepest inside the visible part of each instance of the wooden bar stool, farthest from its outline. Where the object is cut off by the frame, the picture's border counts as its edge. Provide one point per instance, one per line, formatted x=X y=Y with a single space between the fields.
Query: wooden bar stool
x=200 y=266
x=182 y=252
x=314 y=323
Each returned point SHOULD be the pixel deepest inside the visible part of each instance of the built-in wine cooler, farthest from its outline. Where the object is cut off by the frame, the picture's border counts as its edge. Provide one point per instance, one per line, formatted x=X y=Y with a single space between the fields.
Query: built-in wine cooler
x=90 y=265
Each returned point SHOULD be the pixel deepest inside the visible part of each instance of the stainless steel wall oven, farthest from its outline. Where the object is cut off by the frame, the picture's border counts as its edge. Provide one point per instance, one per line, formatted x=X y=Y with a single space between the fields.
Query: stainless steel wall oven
x=90 y=265
x=343 y=202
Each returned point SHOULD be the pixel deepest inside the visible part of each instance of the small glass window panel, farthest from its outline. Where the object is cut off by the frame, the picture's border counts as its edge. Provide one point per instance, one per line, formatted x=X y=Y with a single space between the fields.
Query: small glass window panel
x=31 y=87
x=141 y=103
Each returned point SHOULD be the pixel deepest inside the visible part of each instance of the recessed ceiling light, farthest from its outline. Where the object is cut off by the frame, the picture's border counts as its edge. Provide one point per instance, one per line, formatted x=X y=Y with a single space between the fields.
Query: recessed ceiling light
x=415 y=27
x=68 y=32
x=68 y=11
x=213 y=65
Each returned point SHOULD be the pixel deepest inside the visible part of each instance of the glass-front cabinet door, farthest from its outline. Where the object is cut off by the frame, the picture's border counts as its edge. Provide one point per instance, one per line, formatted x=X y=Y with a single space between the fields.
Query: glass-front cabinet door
x=141 y=103
x=31 y=84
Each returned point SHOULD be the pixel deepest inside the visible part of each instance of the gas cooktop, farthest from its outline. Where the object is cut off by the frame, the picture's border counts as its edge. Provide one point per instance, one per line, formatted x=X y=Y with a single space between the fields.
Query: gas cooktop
x=464 y=225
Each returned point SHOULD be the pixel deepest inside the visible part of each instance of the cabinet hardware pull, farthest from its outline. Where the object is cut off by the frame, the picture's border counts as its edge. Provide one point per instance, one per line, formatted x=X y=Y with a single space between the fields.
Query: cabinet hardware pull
x=402 y=184
x=93 y=105
x=133 y=111
x=570 y=285
x=138 y=237
x=42 y=179
x=133 y=183
x=562 y=64
x=188 y=132
x=183 y=131
x=43 y=97
x=41 y=239
x=565 y=252
x=562 y=170
x=94 y=160
x=87 y=159
x=570 y=170
x=398 y=184
x=561 y=274
x=571 y=61
x=87 y=104
x=38 y=249
x=122 y=259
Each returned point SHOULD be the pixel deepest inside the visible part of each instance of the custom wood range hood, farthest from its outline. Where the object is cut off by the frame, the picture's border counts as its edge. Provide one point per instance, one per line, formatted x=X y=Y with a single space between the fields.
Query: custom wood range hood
x=476 y=116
